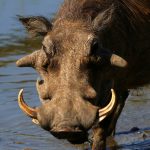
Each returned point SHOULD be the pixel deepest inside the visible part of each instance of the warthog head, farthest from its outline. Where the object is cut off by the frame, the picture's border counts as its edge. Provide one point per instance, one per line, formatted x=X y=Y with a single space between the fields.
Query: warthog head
x=69 y=63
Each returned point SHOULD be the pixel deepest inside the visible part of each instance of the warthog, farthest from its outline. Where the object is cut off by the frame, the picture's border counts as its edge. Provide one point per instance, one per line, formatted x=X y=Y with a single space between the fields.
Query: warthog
x=90 y=48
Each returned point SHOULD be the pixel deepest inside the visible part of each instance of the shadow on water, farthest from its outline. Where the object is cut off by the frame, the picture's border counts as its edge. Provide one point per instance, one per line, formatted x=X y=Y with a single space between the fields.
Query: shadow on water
x=16 y=131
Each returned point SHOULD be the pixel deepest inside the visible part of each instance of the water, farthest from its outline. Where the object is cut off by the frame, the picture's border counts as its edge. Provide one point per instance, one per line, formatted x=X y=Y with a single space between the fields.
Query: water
x=16 y=130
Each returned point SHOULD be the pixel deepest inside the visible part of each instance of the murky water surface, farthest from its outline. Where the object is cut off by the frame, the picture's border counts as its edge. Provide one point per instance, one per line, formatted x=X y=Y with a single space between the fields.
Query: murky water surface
x=16 y=130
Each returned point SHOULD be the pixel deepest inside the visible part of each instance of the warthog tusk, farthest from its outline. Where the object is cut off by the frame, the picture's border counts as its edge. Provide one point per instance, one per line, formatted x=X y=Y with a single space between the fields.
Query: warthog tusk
x=35 y=121
x=104 y=112
x=31 y=112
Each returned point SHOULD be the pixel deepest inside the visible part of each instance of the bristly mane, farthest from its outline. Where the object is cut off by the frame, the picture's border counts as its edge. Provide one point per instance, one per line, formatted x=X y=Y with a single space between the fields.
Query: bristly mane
x=83 y=9
x=128 y=35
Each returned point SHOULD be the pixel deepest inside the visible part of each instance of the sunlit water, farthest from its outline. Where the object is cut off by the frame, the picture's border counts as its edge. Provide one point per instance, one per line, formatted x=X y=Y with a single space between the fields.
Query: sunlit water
x=16 y=130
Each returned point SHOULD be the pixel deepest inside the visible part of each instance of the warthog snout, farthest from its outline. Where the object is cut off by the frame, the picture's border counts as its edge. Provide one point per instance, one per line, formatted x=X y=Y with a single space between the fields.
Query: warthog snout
x=70 y=122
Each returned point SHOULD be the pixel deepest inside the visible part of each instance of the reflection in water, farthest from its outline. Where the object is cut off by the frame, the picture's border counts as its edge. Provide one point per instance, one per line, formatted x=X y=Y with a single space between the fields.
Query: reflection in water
x=16 y=131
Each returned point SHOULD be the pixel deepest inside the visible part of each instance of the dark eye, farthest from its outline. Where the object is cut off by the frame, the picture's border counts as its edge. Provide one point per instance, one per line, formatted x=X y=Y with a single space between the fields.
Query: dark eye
x=94 y=47
x=45 y=65
x=44 y=47
x=50 y=50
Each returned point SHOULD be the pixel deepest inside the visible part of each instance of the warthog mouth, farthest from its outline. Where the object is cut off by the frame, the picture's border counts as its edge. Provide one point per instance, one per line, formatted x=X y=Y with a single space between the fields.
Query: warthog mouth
x=73 y=134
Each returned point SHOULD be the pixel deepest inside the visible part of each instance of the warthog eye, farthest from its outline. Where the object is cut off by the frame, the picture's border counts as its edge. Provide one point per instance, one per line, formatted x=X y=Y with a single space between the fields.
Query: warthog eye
x=45 y=65
x=44 y=47
x=94 y=47
x=49 y=50
x=94 y=51
x=51 y=64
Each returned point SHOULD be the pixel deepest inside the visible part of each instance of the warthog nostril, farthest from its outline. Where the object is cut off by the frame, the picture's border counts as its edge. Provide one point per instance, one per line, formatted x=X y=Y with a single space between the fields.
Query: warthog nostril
x=40 y=81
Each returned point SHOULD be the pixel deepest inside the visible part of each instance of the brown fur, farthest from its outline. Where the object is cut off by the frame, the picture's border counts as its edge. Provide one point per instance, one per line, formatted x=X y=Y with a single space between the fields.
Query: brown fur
x=72 y=87
x=128 y=34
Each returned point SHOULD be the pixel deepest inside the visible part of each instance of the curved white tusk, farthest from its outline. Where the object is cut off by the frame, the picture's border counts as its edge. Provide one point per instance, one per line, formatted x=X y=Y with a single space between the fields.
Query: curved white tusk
x=104 y=112
x=31 y=112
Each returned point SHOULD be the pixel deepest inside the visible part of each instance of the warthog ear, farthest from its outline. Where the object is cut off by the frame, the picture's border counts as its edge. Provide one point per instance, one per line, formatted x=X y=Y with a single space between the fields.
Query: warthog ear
x=36 y=25
x=103 y=19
